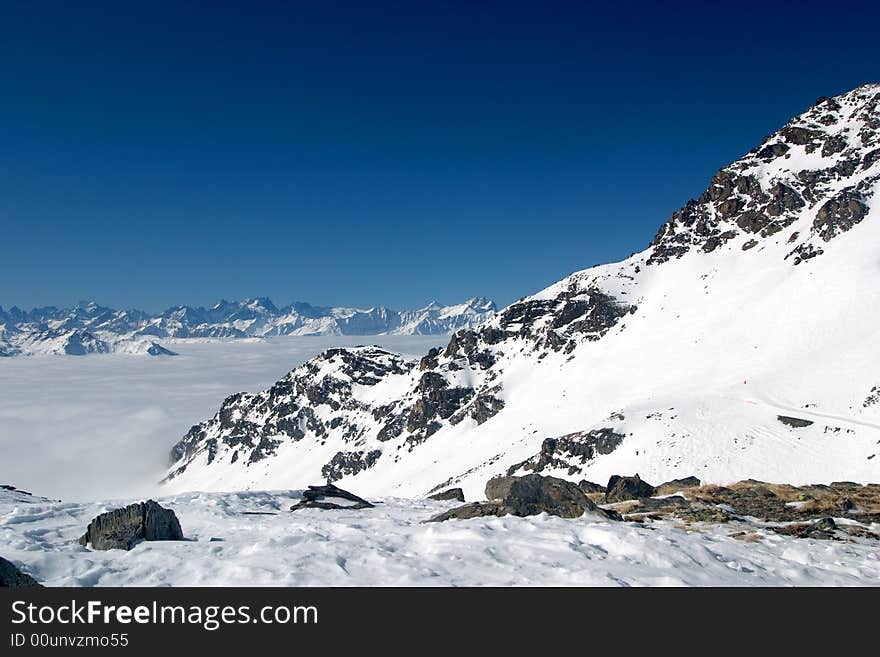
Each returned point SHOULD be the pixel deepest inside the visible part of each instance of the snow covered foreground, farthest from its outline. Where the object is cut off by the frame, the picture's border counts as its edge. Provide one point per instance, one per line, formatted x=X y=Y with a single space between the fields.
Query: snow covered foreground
x=390 y=546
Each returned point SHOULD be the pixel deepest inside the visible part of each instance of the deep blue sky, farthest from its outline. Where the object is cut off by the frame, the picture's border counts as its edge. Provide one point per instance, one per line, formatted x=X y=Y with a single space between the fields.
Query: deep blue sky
x=154 y=153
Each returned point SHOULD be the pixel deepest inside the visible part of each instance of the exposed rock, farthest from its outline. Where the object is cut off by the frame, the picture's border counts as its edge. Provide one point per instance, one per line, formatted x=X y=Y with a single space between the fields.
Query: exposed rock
x=840 y=214
x=795 y=422
x=676 y=485
x=12 y=577
x=571 y=451
x=123 y=528
x=589 y=487
x=449 y=494
x=472 y=510
x=330 y=497
x=620 y=488
x=527 y=496
x=534 y=494
x=349 y=463
x=823 y=528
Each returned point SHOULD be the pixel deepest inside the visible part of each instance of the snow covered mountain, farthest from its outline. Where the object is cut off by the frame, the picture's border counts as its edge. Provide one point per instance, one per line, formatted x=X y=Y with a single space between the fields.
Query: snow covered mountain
x=90 y=328
x=741 y=343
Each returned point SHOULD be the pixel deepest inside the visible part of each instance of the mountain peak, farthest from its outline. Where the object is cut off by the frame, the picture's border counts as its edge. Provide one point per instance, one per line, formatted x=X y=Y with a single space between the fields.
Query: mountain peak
x=811 y=178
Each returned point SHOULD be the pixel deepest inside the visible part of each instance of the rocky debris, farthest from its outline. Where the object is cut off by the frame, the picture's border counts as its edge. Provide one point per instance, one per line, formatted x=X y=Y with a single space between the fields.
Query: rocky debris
x=12 y=577
x=676 y=485
x=620 y=488
x=330 y=497
x=589 y=487
x=796 y=422
x=527 y=496
x=123 y=528
x=455 y=494
x=571 y=451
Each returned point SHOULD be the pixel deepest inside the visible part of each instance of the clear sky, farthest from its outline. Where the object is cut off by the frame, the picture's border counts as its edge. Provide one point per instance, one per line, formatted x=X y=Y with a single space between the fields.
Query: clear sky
x=357 y=153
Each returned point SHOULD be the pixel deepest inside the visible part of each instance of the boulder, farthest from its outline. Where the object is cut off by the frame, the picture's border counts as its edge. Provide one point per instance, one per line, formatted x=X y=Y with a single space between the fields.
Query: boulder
x=330 y=497
x=528 y=496
x=449 y=494
x=472 y=510
x=589 y=487
x=534 y=494
x=620 y=489
x=12 y=577
x=823 y=528
x=123 y=528
x=676 y=485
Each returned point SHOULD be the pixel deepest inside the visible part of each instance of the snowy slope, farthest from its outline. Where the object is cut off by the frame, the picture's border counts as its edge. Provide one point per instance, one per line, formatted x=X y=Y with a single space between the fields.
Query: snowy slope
x=90 y=328
x=757 y=300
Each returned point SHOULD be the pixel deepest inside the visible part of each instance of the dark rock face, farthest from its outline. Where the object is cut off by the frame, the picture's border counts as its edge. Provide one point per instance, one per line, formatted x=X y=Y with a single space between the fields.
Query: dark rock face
x=571 y=451
x=620 y=489
x=840 y=214
x=349 y=463
x=796 y=422
x=12 y=577
x=449 y=494
x=123 y=528
x=330 y=497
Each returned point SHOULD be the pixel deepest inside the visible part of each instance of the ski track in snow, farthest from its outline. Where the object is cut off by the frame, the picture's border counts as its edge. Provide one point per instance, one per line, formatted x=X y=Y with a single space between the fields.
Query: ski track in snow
x=391 y=546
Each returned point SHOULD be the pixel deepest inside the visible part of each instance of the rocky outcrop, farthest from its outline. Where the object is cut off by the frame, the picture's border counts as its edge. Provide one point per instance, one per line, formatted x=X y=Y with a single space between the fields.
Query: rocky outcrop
x=795 y=422
x=571 y=451
x=122 y=529
x=12 y=577
x=455 y=494
x=526 y=496
x=620 y=488
x=330 y=497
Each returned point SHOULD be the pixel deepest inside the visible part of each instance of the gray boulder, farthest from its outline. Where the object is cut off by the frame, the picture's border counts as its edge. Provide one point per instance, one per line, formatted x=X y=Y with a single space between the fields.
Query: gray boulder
x=12 y=577
x=621 y=489
x=330 y=497
x=123 y=528
x=449 y=494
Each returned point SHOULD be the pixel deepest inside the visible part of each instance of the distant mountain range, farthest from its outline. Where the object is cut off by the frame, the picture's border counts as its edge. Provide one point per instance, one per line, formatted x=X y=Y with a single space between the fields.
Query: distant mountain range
x=91 y=328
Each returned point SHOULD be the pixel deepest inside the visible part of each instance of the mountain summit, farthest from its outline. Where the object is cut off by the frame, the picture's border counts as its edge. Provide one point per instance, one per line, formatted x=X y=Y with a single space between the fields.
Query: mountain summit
x=741 y=343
